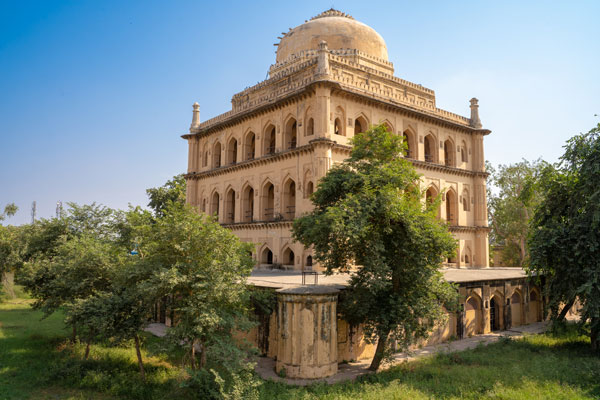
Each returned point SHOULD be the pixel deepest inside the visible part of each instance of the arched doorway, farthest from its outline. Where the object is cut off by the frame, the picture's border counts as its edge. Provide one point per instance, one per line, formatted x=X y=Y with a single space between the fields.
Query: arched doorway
x=449 y=155
x=534 y=306
x=269 y=141
x=495 y=314
x=288 y=257
x=214 y=205
x=250 y=146
x=516 y=309
x=473 y=316
x=232 y=149
x=407 y=137
x=267 y=256
x=230 y=207
x=451 y=208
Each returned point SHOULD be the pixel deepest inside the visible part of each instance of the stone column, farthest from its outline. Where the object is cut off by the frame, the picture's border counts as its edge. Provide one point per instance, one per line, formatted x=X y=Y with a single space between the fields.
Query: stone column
x=323 y=112
x=307 y=329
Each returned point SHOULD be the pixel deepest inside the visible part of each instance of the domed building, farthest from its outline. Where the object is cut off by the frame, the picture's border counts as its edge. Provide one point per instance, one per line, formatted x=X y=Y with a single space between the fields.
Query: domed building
x=256 y=165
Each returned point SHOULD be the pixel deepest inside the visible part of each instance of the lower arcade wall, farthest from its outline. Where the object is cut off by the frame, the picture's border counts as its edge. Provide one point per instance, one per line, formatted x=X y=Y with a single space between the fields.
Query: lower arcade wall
x=484 y=307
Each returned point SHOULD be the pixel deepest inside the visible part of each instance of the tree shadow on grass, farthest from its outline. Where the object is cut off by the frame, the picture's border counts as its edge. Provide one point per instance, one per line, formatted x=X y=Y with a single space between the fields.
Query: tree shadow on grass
x=537 y=366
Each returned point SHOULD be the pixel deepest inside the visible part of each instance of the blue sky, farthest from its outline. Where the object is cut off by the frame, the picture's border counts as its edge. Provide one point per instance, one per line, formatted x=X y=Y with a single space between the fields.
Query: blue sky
x=95 y=94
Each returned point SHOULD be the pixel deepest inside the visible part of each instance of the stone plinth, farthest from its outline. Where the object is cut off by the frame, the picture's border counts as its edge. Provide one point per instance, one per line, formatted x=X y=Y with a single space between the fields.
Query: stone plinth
x=307 y=327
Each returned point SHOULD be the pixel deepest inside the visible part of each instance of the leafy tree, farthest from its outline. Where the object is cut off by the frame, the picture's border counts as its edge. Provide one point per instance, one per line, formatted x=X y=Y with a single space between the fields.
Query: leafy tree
x=564 y=240
x=172 y=191
x=512 y=207
x=202 y=268
x=9 y=210
x=369 y=219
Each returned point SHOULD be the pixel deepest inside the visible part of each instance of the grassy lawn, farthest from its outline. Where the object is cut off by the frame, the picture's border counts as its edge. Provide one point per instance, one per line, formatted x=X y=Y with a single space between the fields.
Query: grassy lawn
x=36 y=362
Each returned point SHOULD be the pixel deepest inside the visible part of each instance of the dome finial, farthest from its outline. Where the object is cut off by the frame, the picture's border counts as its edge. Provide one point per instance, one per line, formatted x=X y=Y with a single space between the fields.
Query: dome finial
x=332 y=13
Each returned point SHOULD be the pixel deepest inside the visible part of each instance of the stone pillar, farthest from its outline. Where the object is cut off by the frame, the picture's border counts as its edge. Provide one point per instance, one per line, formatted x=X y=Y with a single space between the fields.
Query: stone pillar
x=322 y=154
x=323 y=112
x=307 y=329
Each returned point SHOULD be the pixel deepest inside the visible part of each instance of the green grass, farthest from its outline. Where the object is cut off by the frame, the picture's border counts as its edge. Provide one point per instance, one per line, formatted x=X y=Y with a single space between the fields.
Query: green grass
x=36 y=362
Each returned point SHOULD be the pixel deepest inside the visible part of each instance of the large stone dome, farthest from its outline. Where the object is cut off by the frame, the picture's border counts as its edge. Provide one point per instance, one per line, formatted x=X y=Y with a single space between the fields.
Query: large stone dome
x=338 y=29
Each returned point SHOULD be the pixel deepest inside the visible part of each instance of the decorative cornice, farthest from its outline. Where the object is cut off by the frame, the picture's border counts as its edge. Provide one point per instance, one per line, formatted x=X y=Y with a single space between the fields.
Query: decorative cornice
x=259 y=225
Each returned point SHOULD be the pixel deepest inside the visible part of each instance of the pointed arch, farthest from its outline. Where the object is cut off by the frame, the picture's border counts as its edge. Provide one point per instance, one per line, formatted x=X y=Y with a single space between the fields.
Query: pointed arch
x=249 y=152
x=215 y=200
x=290 y=133
x=466 y=200
x=308 y=184
x=449 y=153
x=232 y=150
x=361 y=124
x=247 y=203
x=408 y=136
x=266 y=256
x=229 y=217
x=430 y=146
x=288 y=257
x=217 y=154
x=516 y=308
x=289 y=199
x=451 y=206
x=467 y=257
x=267 y=201
x=388 y=125
x=205 y=155
x=269 y=138
x=431 y=195
x=339 y=127
x=464 y=156
x=496 y=311
x=309 y=262
x=473 y=315
x=535 y=305
x=309 y=123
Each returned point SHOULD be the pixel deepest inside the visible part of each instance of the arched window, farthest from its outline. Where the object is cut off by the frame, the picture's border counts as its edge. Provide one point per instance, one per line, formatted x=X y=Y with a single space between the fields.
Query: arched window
x=203 y=205
x=230 y=207
x=232 y=151
x=430 y=148
x=465 y=200
x=266 y=256
x=310 y=127
x=250 y=146
x=360 y=125
x=290 y=137
x=449 y=156
x=214 y=205
x=408 y=138
x=289 y=199
x=288 y=257
x=268 y=202
x=430 y=196
x=309 y=261
x=217 y=155
x=338 y=129
x=451 y=209
x=269 y=141
x=467 y=255
x=248 y=204
x=309 y=189
x=463 y=152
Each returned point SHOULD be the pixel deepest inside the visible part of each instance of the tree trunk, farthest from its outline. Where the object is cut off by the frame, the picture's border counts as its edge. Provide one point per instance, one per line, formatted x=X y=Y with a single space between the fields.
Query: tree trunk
x=202 y=355
x=379 y=352
x=139 y=357
x=565 y=310
x=74 y=334
x=193 y=356
x=87 y=348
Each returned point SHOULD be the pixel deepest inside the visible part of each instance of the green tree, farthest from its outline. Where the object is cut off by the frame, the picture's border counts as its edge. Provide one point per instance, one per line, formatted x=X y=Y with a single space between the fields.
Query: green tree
x=564 y=240
x=511 y=207
x=202 y=268
x=9 y=210
x=370 y=219
x=173 y=191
